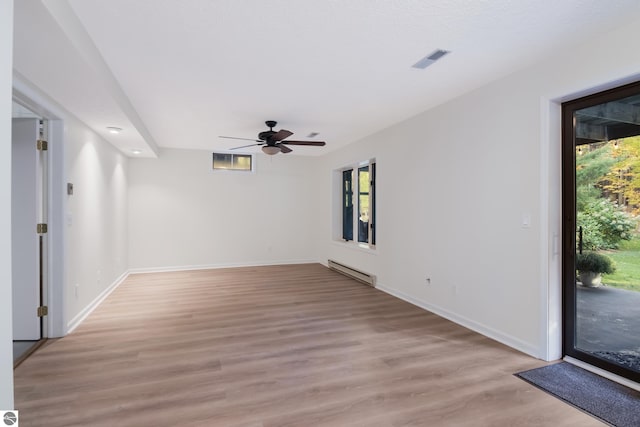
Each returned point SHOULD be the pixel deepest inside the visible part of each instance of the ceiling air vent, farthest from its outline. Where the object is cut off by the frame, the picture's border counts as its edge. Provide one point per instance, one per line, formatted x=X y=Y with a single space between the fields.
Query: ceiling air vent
x=430 y=59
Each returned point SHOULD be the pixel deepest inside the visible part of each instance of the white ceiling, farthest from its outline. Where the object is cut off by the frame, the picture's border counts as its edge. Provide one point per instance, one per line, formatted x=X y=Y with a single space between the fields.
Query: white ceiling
x=178 y=73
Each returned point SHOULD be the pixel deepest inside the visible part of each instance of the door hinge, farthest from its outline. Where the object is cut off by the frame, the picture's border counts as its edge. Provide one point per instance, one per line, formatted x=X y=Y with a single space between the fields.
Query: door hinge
x=41 y=228
x=42 y=145
x=43 y=311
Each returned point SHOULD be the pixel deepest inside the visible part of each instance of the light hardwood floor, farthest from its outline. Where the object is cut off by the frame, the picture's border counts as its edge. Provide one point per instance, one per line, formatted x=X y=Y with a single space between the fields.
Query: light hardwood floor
x=275 y=346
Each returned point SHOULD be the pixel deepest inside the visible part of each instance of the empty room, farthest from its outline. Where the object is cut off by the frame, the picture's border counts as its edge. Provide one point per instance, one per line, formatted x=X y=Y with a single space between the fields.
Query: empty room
x=320 y=213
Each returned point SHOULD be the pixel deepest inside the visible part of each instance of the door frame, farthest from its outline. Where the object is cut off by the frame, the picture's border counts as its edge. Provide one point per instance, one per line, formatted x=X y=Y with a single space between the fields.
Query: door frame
x=54 y=291
x=569 y=226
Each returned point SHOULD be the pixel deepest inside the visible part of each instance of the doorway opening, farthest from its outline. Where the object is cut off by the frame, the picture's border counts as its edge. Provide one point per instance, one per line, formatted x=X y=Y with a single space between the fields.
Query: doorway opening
x=601 y=230
x=29 y=240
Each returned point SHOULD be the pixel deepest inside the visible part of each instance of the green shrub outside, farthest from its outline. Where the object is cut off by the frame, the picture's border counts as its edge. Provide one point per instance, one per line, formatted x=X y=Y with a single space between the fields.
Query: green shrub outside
x=604 y=225
x=594 y=262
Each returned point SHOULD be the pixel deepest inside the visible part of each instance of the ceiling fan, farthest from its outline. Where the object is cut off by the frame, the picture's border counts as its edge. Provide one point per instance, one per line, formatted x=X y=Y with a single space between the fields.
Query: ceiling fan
x=273 y=142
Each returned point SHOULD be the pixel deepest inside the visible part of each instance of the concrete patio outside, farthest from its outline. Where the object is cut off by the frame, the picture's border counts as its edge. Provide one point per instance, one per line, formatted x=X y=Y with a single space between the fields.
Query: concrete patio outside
x=608 y=324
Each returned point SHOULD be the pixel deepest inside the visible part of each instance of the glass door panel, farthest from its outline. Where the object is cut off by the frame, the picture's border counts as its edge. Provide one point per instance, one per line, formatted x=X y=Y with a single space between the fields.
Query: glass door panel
x=601 y=210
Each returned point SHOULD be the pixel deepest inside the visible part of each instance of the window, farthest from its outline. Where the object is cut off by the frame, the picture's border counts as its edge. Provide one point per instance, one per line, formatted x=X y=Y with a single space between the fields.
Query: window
x=363 y=217
x=347 y=204
x=237 y=162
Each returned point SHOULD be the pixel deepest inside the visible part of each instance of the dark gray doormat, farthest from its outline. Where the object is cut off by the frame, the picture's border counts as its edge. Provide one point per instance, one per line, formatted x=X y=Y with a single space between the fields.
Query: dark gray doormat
x=606 y=400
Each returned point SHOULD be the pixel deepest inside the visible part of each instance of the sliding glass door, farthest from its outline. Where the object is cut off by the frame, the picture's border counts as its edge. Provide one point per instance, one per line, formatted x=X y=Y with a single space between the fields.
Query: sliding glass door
x=601 y=234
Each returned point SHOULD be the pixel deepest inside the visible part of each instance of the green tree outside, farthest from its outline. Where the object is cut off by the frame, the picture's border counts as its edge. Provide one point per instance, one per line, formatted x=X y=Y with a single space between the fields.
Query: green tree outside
x=608 y=205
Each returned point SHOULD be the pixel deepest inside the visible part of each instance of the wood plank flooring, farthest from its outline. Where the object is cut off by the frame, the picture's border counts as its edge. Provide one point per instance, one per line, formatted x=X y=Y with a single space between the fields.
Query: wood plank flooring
x=275 y=346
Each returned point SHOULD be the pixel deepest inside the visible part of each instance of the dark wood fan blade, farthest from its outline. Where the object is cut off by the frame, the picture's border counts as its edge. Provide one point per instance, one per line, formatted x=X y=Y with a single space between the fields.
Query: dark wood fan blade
x=284 y=149
x=242 y=139
x=280 y=135
x=245 y=146
x=315 y=143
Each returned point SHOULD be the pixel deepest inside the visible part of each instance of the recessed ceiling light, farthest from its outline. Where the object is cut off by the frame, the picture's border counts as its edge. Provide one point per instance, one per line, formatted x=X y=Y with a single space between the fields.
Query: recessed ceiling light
x=113 y=129
x=430 y=59
x=136 y=151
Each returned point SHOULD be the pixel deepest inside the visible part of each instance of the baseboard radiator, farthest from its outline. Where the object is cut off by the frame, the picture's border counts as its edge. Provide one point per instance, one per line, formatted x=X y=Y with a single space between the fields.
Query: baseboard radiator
x=361 y=276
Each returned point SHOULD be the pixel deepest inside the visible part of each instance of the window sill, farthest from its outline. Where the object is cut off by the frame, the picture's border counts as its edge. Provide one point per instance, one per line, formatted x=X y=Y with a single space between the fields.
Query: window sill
x=360 y=247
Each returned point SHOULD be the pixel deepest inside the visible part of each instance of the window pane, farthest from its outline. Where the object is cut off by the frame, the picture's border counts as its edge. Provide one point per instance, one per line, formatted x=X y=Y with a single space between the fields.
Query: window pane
x=372 y=198
x=222 y=161
x=347 y=205
x=363 y=204
x=242 y=162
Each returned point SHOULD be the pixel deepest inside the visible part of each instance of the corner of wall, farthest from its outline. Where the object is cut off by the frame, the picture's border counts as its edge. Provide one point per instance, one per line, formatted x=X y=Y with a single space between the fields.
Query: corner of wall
x=6 y=330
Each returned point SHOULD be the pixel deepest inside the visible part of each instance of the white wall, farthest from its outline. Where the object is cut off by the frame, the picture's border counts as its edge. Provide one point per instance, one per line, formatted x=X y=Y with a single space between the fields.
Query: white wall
x=6 y=347
x=184 y=215
x=454 y=184
x=96 y=240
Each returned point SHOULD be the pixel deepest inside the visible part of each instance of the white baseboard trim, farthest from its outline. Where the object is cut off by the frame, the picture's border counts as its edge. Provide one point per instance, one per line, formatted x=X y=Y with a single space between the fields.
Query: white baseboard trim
x=79 y=318
x=216 y=266
x=467 y=323
x=606 y=374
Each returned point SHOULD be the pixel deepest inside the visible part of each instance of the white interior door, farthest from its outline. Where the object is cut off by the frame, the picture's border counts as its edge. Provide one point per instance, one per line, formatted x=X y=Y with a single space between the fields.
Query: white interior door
x=25 y=241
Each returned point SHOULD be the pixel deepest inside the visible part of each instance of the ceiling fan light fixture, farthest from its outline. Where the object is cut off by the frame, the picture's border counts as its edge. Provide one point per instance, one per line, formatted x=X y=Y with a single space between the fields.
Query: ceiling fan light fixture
x=270 y=149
